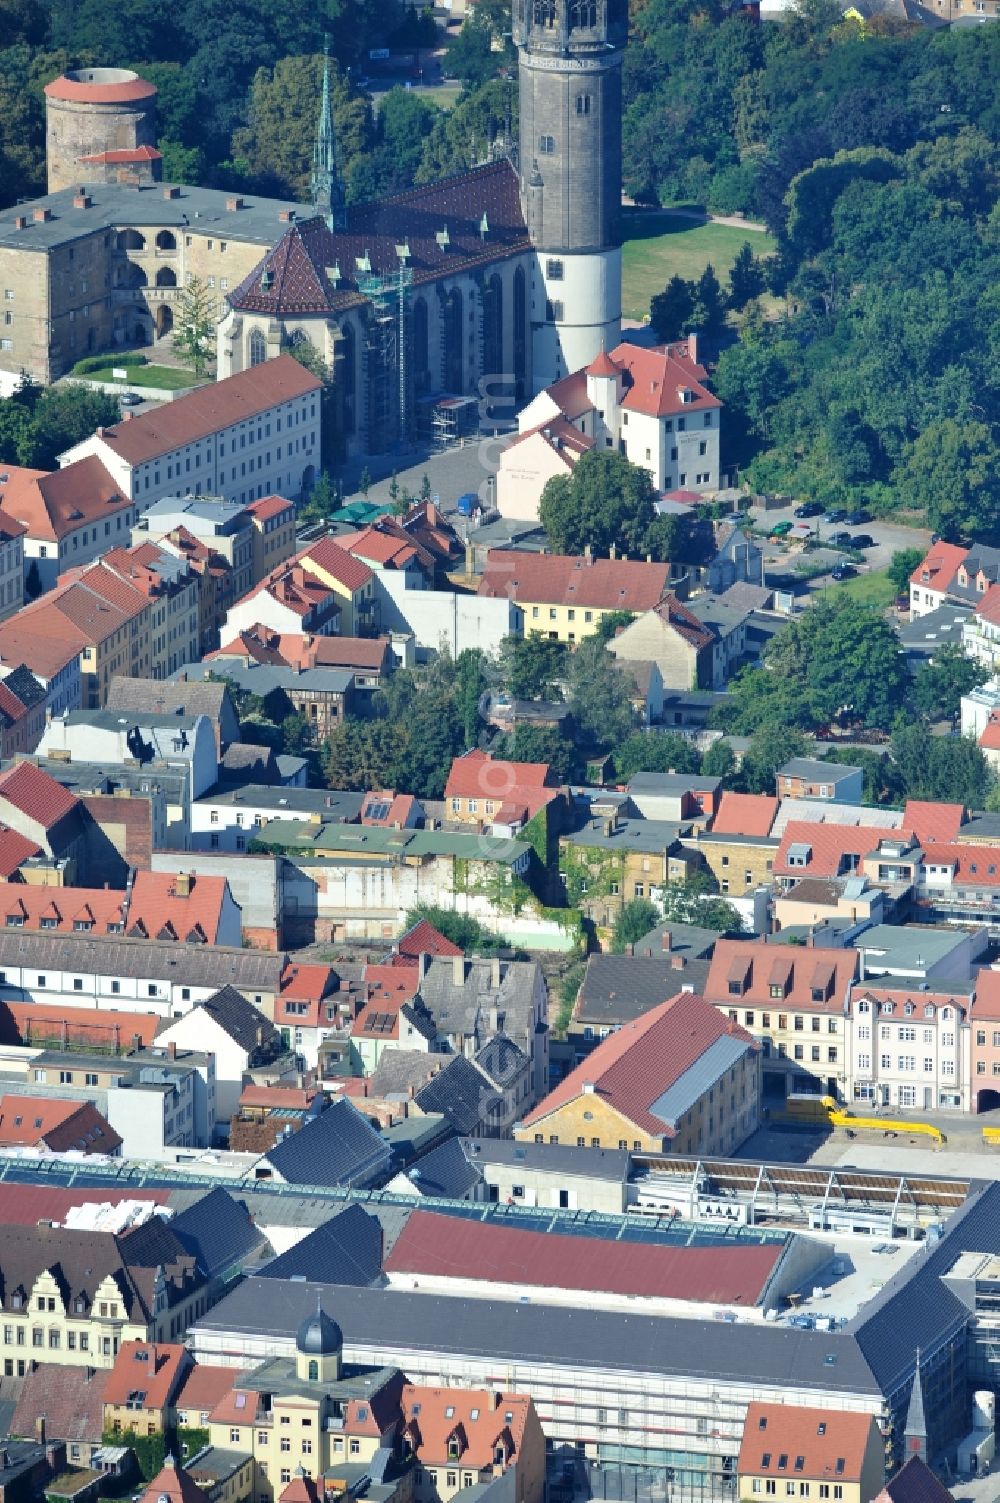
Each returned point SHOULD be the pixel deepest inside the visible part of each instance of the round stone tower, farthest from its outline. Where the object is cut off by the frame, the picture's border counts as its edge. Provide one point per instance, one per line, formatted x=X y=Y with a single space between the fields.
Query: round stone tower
x=570 y=54
x=92 y=116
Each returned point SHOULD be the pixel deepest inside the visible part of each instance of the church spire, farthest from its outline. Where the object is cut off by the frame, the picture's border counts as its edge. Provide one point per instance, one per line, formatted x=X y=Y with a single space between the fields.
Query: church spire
x=327 y=187
x=915 y=1432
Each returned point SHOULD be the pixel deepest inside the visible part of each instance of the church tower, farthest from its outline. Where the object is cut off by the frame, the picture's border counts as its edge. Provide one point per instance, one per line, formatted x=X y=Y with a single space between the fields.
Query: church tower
x=570 y=62
x=327 y=185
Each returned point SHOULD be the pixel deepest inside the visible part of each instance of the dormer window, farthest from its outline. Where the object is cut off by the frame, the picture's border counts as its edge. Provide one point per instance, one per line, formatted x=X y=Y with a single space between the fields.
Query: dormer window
x=454 y=1449
x=909 y=1009
x=887 y=1007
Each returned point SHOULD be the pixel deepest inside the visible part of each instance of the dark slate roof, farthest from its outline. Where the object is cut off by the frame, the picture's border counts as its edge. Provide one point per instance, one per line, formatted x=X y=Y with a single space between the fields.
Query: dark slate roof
x=155 y=696
x=298 y=265
x=916 y=1483
x=459 y=1093
x=348 y=1248
x=689 y=940
x=334 y=1148
x=620 y=988
x=399 y=1069
x=575 y=1337
x=555 y=1158
x=246 y=1026
x=25 y=685
x=446 y=1171
x=218 y=1231
x=915 y=1308
x=502 y=1060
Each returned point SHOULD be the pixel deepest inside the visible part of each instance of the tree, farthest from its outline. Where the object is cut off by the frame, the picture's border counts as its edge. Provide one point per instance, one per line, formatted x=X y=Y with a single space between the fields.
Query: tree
x=746 y=278
x=598 y=695
x=461 y=928
x=612 y=623
x=696 y=902
x=606 y=502
x=952 y=471
x=540 y=743
x=362 y=754
x=633 y=922
x=531 y=667
x=670 y=310
x=194 y=331
x=948 y=769
x=938 y=687
x=719 y=761
x=61 y=416
x=473 y=55
x=655 y=751
x=472 y=683
x=708 y=311
x=770 y=748
x=32 y=581
x=365 y=483
x=904 y=561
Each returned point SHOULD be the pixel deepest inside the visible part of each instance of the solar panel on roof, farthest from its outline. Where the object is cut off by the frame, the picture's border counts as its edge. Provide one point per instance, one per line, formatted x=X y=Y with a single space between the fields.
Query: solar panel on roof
x=377 y=811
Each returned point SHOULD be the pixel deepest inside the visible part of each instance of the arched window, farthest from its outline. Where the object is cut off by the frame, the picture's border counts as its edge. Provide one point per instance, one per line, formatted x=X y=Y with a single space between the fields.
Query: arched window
x=166 y=277
x=166 y=240
x=583 y=13
x=929 y=1010
x=130 y=240
x=909 y=1009
x=314 y=1371
x=887 y=1007
x=520 y=334
x=454 y=328
x=421 y=346
x=545 y=12
x=493 y=366
x=863 y=1007
x=257 y=347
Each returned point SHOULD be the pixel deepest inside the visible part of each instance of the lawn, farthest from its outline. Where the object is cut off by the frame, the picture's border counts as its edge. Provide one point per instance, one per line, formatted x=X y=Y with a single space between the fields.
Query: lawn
x=875 y=589
x=166 y=377
x=660 y=244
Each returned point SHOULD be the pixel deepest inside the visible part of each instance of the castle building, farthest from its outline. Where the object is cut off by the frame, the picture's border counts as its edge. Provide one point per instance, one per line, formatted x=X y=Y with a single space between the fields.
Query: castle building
x=479 y=290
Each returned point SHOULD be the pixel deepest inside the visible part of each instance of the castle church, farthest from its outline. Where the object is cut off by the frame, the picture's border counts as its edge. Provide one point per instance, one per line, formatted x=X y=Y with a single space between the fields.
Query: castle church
x=488 y=285
x=506 y=275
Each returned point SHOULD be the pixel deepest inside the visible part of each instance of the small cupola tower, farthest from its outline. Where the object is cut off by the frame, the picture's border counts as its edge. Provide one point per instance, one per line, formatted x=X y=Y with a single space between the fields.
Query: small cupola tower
x=319 y=1348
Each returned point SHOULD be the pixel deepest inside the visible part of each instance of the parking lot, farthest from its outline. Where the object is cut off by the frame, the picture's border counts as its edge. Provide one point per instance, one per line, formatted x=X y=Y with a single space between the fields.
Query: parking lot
x=889 y=538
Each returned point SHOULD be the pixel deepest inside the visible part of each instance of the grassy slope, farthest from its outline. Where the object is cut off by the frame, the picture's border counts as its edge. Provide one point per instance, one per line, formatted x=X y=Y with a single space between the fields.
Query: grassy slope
x=660 y=245
x=166 y=377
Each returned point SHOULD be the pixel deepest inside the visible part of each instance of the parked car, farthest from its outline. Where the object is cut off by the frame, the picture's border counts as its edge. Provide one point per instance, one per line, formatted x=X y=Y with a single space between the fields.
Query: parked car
x=862 y=540
x=781 y=529
x=130 y=399
x=809 y=509
x=840 y=540
x=836 y=514
x=855 y=518
x=841 y=571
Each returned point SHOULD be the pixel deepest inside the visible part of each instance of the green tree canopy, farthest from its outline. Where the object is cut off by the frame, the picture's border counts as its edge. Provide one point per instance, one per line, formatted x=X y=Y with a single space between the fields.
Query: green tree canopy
x=531 y=667
x=598 y=695
x=696 y=901
x=607 y=502
x=947 y=769
x=938 y=687
x=655 y=751
x=632 y=923
x=903 y=563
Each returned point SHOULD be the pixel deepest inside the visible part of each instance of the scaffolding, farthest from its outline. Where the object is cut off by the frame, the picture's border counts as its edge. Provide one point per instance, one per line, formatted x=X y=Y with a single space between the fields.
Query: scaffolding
x=388 y=408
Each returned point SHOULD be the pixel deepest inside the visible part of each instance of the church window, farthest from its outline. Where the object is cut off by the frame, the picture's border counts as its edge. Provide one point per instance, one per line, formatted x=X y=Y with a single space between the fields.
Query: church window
x=584 y=104
x=545 y=12
x=583 y=13
x=258 y=348
x=546 y=145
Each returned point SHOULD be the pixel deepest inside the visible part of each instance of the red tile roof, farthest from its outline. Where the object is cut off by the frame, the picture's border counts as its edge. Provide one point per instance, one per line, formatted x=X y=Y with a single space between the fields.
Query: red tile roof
x=446 y=1247
x=603 y=365
x=832 y=1443
x=831 y=845
x=157 y=910
x=566 y=442
x=745 y=814
x=295 y=586
x=656 y=379
x=36 y=795
x=15 y=849
x=940 y=566
x=203 y=1387
x=633 y=1067
x=988 y=608
x=986 y=1004
x=59 y=1126
x=989 y=738
x=173 y=1484
x=69 y=1399
x=93 y=1027
x=151 y=1369
x=757 y=967
x=398 y=813
x=125 y=154
x=27 y=1205
x=119 y=91
x=270 y=506
x=475 y=774
x=61 y=909
x=974 y=865
x=902 y=996
x=11 y=707
x=932 y=821
x=308 y=982
x=673 y=613
x=40 y=637
x=209 y=408
x=570 y=395
x=422 y=939
x=263 y=645
x=481 y=1420
x=608 y=584
x=51 y=505
x=276 y=1098
x=342 y=566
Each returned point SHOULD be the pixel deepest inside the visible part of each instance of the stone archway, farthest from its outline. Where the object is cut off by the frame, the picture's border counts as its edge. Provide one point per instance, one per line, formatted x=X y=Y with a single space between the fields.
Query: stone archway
x=164 y=321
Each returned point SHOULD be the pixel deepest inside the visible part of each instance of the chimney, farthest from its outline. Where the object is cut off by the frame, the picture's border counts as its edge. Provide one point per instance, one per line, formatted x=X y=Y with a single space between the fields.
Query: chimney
x=286 y=216
x=40 y=1429
x=21 y=222
x=666 y=941
x=136 y=1042
x=495 y=971
x=677 y=962
x=183 y=883
x=458 y=970
x=172 y=1049
x=423 y=964
x=613 y=551
x=588 y=553
x=494 y=1020
x=692 y=344
x=233 y=205
x=81 y=199
x=495 y=1400
x=171 y=192
x=41 y=216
